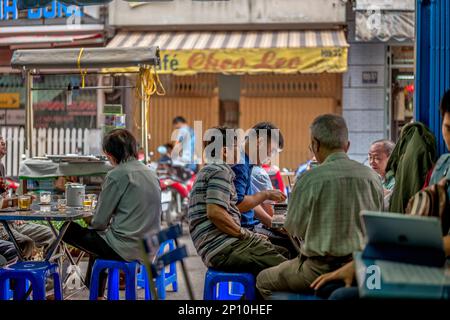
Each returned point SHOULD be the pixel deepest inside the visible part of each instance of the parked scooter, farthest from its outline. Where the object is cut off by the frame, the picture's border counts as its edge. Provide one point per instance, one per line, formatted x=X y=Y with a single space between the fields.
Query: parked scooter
x=176 y=182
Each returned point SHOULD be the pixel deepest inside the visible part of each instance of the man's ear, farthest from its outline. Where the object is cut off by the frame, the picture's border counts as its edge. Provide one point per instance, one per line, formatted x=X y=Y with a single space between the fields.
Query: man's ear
x=348 y=147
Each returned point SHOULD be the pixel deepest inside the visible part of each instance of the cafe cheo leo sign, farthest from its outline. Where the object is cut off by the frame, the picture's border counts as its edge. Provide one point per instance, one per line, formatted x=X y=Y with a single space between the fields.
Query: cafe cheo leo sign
x=285 y=60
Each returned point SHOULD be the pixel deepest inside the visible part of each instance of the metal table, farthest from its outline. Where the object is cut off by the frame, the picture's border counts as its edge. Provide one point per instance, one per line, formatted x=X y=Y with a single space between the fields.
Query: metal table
x=71 y=214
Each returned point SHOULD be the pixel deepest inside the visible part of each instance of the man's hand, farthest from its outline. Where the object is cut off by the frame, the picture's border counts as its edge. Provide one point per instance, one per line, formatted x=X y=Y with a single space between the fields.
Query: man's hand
x=260 y=236
x=345 y=273
x=275 y=195
x=19 y=222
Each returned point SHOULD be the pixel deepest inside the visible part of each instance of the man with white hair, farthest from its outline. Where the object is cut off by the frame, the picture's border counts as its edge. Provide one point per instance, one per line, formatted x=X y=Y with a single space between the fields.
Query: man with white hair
x=324 y=210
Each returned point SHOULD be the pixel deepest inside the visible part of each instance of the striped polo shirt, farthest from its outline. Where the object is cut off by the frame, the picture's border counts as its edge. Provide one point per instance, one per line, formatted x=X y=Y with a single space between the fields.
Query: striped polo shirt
x=213 y=185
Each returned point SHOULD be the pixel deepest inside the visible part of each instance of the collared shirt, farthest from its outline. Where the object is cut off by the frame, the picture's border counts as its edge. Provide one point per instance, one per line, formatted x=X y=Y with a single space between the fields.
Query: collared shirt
x=325 y=204
x=389 y=181
x=243 y=185
x=213 y=185
x=260 y=180
x=128 y=209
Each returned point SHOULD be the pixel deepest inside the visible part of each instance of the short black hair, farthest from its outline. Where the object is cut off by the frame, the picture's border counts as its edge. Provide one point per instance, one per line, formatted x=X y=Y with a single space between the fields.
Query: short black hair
x=445 y=103
x=178 y=119
x=121 y=144
x=268 y=127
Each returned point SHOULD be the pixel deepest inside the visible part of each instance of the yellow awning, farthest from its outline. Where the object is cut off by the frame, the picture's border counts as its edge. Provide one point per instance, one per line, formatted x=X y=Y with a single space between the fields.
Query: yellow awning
x=243 y=52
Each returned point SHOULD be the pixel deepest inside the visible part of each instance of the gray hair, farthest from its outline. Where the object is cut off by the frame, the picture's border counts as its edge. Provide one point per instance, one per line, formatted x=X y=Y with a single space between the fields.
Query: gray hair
x=388 y=146
x=331 y=131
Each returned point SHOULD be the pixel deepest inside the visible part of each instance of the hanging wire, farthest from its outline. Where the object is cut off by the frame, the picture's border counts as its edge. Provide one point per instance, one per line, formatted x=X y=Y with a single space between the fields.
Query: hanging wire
x=148 y=79
x=83 y=72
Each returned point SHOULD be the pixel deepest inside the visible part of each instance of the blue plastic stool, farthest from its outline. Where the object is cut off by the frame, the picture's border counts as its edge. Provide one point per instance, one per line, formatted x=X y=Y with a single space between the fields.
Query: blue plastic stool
x=213 y=291
x=34 y=273
x=164 y=279
x=113 y=268
x=230 y=290
x=9 y=293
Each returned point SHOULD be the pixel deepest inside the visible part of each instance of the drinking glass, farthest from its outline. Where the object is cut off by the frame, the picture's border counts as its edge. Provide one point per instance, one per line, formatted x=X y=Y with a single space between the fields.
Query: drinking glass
x=24 y=202
x=61 y=205
x=45 y=197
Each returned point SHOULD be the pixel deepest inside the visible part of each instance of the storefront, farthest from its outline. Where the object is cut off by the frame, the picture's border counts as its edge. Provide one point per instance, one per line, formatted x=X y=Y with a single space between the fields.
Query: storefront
x=54 y=26
x=242 y=77
x=391 y=24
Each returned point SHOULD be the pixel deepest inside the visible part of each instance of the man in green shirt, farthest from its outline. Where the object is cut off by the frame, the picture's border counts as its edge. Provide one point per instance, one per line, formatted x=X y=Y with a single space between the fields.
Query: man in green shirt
x=324 y=209
x=128 y=209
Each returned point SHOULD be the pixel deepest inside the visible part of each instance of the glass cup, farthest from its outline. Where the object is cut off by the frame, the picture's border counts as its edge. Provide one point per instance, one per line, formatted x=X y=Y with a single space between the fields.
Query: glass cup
x=279 y=215
x=24 y=202
x=87 y=203
x=93 y=201
x=45 y=197
x=61 y=205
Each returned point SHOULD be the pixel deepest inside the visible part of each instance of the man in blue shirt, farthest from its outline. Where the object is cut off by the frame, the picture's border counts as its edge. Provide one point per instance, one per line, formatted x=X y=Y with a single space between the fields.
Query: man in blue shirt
x=185 y=143
x=267 y=138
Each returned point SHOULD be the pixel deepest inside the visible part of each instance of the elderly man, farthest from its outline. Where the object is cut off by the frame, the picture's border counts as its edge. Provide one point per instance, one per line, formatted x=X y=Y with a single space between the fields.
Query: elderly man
x=379 y=153
x=28 y=235
x=215 y=221
x=324 y=210
x=441 y=174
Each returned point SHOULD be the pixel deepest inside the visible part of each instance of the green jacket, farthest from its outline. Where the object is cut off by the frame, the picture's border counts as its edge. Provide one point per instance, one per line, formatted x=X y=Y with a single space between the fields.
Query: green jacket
x=413 y=156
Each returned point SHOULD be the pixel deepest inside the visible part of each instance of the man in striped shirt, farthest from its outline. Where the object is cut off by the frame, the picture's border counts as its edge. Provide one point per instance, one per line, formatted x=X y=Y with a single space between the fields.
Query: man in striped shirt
x=214 y=219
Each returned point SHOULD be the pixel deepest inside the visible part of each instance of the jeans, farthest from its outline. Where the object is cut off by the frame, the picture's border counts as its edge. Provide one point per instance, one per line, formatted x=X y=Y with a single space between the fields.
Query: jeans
x=91 y=242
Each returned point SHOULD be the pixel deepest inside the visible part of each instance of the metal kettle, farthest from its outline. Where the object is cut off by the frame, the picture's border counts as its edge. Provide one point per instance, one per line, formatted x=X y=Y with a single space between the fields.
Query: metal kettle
x=75 y=194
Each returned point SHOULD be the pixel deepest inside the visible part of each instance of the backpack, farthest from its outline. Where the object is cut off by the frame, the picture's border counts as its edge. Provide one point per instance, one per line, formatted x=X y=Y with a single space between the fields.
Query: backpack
x=432 y=202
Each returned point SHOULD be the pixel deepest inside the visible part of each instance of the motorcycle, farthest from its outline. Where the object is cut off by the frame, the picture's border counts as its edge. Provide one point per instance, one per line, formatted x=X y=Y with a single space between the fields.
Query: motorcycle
x=176 y=182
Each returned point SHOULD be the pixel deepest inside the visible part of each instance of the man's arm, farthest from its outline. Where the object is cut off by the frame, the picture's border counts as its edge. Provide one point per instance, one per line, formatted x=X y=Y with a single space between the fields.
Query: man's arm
x=222 y=220
x=107 y=202
x=447 y=245
x=263 y=216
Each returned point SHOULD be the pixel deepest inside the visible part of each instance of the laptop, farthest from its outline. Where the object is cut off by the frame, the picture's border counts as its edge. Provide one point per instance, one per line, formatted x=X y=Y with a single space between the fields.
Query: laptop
x=404 y=257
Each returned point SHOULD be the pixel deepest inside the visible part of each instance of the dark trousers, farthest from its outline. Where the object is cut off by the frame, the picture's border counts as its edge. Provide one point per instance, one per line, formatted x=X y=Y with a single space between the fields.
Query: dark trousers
x=277 y=238
x=90 y=241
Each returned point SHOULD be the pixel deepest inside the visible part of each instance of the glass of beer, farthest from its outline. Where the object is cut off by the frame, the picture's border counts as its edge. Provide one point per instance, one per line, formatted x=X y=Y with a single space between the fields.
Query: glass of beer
x=24 y=202
x=87 y=203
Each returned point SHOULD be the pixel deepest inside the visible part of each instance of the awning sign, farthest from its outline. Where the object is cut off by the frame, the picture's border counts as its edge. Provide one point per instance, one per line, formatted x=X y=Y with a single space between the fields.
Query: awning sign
x=286 y=60
x=9 y=100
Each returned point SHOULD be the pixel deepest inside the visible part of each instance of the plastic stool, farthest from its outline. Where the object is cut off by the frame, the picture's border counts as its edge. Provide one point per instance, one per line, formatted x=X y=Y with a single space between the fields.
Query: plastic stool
x=9 y=293
x=213 y=278
x=164 y=279
x=230 y=290
x=29 y=272
x=113 y=268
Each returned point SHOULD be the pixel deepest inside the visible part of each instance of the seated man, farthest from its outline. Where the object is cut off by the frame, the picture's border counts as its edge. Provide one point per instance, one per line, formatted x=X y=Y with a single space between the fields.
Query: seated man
x=324 y=210
x=128 y=209
x=215 y=220
x=268 y=141
x=379 y=153
x=441 y=174
x=7 y=253
x=28 y=235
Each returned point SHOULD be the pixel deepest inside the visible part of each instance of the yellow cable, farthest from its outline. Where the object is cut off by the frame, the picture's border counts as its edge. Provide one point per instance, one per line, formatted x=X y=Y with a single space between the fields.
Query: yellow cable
x=82 y=72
